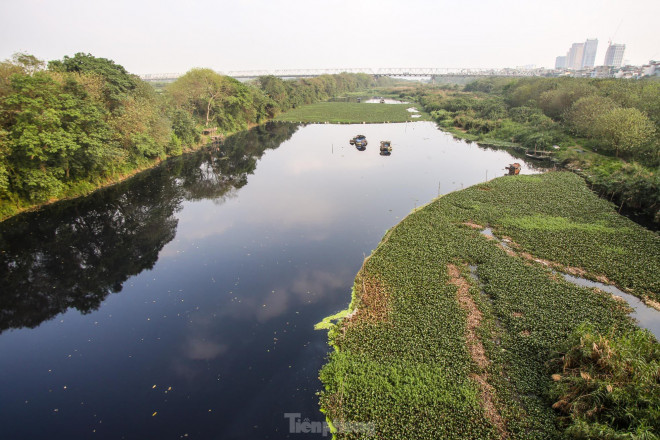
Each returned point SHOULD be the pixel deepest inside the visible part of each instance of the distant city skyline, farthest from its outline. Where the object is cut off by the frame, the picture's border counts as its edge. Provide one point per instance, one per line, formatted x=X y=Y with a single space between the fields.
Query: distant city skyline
x=168 y=36
x=579 y=56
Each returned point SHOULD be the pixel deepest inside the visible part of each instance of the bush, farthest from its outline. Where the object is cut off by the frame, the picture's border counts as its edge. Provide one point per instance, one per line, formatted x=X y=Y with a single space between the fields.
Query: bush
x=608 y=386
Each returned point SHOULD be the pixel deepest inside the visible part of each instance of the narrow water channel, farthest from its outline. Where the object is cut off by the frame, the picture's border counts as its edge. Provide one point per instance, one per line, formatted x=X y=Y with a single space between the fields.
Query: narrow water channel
x=181 y=303
x=646 y=317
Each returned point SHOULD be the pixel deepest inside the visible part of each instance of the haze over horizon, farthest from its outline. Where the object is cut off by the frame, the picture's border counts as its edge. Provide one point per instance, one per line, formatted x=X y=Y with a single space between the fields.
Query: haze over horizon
x=167 y=36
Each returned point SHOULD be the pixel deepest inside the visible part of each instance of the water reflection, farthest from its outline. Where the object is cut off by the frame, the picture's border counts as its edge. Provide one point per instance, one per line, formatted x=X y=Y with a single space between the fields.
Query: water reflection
x=73 y=254
x=222 y=281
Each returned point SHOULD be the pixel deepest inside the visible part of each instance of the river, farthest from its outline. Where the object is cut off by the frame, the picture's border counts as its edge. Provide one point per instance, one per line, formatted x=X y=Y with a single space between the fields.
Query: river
x=181 y=303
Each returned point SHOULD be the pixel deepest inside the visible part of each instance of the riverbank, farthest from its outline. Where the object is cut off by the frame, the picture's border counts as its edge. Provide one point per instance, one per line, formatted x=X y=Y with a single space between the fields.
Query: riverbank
x=593 y=127
x=80 y=123
x=449 y=332
x=336 y=112
x=353 y=113
x=633 y=187
x=9 y=209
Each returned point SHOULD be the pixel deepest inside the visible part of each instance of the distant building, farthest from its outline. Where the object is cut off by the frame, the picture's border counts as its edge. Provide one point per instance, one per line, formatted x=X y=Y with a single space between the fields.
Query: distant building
x=575 y=55
x=560 y=62
x=614 y=55
x=589 y=55
x=651 y=69
x=602 y=72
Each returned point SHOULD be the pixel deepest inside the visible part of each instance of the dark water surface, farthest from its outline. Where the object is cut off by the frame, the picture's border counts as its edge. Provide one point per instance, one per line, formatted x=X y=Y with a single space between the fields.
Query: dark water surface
x=181 y=303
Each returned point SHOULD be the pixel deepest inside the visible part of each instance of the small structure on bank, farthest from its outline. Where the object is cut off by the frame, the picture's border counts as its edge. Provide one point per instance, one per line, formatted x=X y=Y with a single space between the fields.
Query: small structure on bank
x=539 y=155
x=514 y=169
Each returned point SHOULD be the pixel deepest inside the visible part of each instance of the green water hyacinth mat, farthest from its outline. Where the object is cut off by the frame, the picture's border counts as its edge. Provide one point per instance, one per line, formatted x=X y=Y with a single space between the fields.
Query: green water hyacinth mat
x=450 y=334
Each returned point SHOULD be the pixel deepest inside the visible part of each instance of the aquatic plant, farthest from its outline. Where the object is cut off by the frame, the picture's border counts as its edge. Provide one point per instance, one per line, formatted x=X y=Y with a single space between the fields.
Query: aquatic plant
x=412 y=371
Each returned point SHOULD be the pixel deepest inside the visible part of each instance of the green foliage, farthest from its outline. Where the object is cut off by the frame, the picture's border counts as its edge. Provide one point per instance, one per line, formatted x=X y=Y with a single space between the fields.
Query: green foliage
x=614 y=117
x=118 y=83
x=608 y=385
x=201 y=92
x=287 y=94
x=627 y=184
x=488 y=85
x=410 y=372
x=175 y=147
x=582 y=116
x=29 y=64
x=555 y=102
x=224 y=102
x=81 y=120
x=183 y=126
x=624 y=130
x=525 y=115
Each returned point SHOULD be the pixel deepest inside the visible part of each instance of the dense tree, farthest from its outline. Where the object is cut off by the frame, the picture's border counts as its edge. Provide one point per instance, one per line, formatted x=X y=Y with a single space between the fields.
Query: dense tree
x=118 y=83
x=581 y=117
x=183 y=127
x=555 y=102
x=79 y=120
x=51 y=130
x=624 y=130
x=197 y=91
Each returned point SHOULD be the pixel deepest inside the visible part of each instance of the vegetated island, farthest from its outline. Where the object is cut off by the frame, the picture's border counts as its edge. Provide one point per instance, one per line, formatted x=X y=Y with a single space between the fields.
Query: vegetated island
x=456 y=335
x=353 y=113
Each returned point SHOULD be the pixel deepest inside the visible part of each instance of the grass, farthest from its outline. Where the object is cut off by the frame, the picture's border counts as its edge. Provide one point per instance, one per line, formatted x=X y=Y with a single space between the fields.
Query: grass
x=428 y=351
x=350 y=113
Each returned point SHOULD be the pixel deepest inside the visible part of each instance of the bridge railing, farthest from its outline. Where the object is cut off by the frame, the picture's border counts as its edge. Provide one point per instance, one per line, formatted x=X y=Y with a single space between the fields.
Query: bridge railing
x=385 y=71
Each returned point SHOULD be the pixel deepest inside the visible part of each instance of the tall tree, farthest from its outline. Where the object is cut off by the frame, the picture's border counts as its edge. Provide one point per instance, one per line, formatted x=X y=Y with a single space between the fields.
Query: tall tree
x=624 y=130
x=198 y=90
x=582 y=115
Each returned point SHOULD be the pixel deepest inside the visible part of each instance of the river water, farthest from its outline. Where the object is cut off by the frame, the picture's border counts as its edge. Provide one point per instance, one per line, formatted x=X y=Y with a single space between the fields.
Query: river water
x=181 y=303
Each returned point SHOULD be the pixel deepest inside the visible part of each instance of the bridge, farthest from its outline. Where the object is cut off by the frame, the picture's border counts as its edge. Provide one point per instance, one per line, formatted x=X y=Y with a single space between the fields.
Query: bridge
x=390 y=71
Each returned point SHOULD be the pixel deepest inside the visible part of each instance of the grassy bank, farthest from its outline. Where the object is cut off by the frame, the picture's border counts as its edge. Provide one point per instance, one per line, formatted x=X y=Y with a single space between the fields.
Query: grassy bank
x=608 y=129
x=629 y=184
x=450 y=335
x=350 y=113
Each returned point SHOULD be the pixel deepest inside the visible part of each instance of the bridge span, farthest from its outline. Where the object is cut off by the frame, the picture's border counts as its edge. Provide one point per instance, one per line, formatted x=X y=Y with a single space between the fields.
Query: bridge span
x=407 y=72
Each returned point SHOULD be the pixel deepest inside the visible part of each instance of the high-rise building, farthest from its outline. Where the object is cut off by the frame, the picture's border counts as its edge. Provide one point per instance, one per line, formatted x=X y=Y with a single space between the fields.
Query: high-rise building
x=560 y=62
x=575 y=55
x=614 y=55
x=589 y=55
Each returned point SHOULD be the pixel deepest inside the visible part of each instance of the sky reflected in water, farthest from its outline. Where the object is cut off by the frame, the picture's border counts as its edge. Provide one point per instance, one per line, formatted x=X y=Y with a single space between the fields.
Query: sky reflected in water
x=213 y=274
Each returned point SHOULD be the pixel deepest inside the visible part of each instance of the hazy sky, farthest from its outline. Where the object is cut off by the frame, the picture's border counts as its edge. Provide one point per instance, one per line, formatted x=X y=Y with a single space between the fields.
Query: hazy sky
x=173 y=36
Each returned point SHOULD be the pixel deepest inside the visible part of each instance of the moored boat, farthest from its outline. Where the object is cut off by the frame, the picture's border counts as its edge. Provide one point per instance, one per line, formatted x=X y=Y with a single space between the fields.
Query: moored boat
x=385 y=148
x=360 y=141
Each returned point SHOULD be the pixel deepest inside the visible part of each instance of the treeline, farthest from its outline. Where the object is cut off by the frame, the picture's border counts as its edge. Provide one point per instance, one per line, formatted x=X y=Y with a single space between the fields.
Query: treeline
x=617 y=119
x=71 y=125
